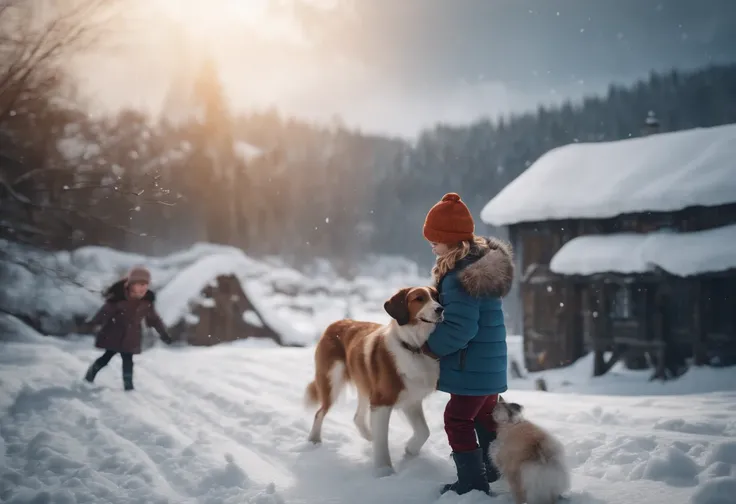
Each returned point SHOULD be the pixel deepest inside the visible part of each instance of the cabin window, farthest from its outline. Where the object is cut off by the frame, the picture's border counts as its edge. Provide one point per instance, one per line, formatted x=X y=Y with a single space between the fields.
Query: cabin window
x=622 y=304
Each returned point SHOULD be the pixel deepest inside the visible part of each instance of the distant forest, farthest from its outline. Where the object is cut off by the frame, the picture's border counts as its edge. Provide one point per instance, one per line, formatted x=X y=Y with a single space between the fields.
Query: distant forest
x=275 y=185
x=480 y=159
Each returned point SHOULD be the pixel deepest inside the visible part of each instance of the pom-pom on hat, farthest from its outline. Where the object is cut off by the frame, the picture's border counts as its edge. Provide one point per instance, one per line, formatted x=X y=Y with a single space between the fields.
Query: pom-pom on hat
x=449 y=221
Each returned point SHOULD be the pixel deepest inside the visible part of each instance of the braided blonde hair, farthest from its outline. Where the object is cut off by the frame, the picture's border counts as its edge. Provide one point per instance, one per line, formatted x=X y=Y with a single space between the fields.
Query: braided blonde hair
x=447 y=261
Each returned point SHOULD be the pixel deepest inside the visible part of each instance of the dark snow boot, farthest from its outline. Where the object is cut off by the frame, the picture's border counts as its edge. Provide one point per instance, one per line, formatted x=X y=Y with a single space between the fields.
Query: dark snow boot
x=102 y=361
x=128 y=382
x=127 y=371
x=92 y=372
x=471 y=473
x=485 y=438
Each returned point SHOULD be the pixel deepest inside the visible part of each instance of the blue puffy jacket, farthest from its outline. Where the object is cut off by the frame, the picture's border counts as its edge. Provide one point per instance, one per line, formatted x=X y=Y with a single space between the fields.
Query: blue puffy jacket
x=471 y=341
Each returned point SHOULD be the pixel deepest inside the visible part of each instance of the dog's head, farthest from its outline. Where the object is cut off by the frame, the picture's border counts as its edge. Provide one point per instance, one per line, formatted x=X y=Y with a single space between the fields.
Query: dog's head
x=415 y=305
x=506 y=413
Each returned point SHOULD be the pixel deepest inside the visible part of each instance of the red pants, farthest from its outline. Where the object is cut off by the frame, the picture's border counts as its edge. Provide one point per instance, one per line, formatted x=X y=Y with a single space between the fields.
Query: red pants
x=461 y=413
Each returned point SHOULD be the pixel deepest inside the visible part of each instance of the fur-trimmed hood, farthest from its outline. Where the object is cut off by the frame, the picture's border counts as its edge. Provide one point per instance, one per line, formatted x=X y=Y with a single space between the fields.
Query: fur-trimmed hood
x=487 y=272
x=116 y=292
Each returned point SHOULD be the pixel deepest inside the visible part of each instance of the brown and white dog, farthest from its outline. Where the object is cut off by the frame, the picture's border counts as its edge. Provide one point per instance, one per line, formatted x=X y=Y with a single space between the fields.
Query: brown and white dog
x=386 y=365
x=530 y=458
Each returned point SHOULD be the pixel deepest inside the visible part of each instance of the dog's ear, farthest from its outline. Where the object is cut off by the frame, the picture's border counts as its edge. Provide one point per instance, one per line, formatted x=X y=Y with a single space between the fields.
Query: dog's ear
x=515 y=407
x=501 y=414
x=398 y=308
x=434 y=293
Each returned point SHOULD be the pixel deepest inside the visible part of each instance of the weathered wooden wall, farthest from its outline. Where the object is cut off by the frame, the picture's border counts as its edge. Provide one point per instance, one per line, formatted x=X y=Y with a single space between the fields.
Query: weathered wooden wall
x=665 y=317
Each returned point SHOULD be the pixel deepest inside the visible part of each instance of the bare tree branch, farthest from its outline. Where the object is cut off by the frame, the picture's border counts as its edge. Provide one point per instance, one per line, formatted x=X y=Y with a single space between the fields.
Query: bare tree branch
x=71 y=211
x=18 y=197
x=32 y=50
x=110 y=187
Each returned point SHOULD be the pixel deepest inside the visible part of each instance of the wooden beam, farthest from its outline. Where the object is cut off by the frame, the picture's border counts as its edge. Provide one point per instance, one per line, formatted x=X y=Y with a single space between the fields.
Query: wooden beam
x=699 y=343
x=601 y=367
x=635 y=342
x=603 y=343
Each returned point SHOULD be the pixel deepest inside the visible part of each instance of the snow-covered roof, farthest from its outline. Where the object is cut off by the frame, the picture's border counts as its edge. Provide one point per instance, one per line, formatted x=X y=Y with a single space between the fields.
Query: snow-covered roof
x=681 y=254
x=663 y=172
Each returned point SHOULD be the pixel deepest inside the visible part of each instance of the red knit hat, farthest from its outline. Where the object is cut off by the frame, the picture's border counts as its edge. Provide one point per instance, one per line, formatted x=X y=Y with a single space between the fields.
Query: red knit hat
x=449 y=221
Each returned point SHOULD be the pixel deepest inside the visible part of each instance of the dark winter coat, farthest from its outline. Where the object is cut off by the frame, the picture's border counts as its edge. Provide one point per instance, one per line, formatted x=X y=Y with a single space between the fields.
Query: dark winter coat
x=121 y=319
x=471 y=341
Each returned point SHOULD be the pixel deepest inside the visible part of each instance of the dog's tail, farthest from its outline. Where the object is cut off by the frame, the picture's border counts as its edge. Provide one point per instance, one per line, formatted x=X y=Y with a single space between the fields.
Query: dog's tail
x=330 y=373
x=546 y=478
x=311 y=395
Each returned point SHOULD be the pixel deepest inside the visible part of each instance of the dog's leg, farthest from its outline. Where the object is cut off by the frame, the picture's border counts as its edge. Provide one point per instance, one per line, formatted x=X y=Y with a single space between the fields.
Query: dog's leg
x=361 y=417
x=315 y=435
x=415 y=416
x=517 y=490
x=380 y=416
x=329 y=386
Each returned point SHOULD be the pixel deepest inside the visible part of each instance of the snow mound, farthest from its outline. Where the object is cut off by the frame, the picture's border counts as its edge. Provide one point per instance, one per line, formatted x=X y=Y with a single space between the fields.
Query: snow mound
x=45 y=288
x=672 y=466
x=712 y=428
x=12 y=329
x=723 y=452
x=716 y=491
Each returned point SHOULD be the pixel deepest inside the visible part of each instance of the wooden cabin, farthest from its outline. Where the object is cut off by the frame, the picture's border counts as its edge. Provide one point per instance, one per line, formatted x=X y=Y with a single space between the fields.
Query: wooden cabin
x=627 y=249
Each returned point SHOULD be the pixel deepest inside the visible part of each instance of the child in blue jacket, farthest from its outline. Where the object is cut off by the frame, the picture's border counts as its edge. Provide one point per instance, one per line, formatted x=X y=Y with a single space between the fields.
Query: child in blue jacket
x=472 y=274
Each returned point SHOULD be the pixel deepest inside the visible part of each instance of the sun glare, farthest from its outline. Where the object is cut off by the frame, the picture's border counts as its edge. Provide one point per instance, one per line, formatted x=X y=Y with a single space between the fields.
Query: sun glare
x=208 y=19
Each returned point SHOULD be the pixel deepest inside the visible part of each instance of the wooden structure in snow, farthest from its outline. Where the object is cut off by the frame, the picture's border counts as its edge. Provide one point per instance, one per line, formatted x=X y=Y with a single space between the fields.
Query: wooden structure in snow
x=209 y=302
x=627 y=249
x=220 y=314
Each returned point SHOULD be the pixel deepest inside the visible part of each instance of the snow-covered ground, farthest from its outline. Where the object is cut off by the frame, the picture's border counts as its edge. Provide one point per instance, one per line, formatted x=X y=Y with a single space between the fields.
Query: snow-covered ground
x=225 y=424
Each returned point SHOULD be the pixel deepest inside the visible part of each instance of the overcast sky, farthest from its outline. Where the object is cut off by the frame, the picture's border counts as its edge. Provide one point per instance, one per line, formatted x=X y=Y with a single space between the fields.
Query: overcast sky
x=395 y=66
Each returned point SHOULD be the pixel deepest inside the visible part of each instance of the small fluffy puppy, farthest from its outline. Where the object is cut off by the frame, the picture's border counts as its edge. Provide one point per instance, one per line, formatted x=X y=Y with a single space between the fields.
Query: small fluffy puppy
x=530 y=458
